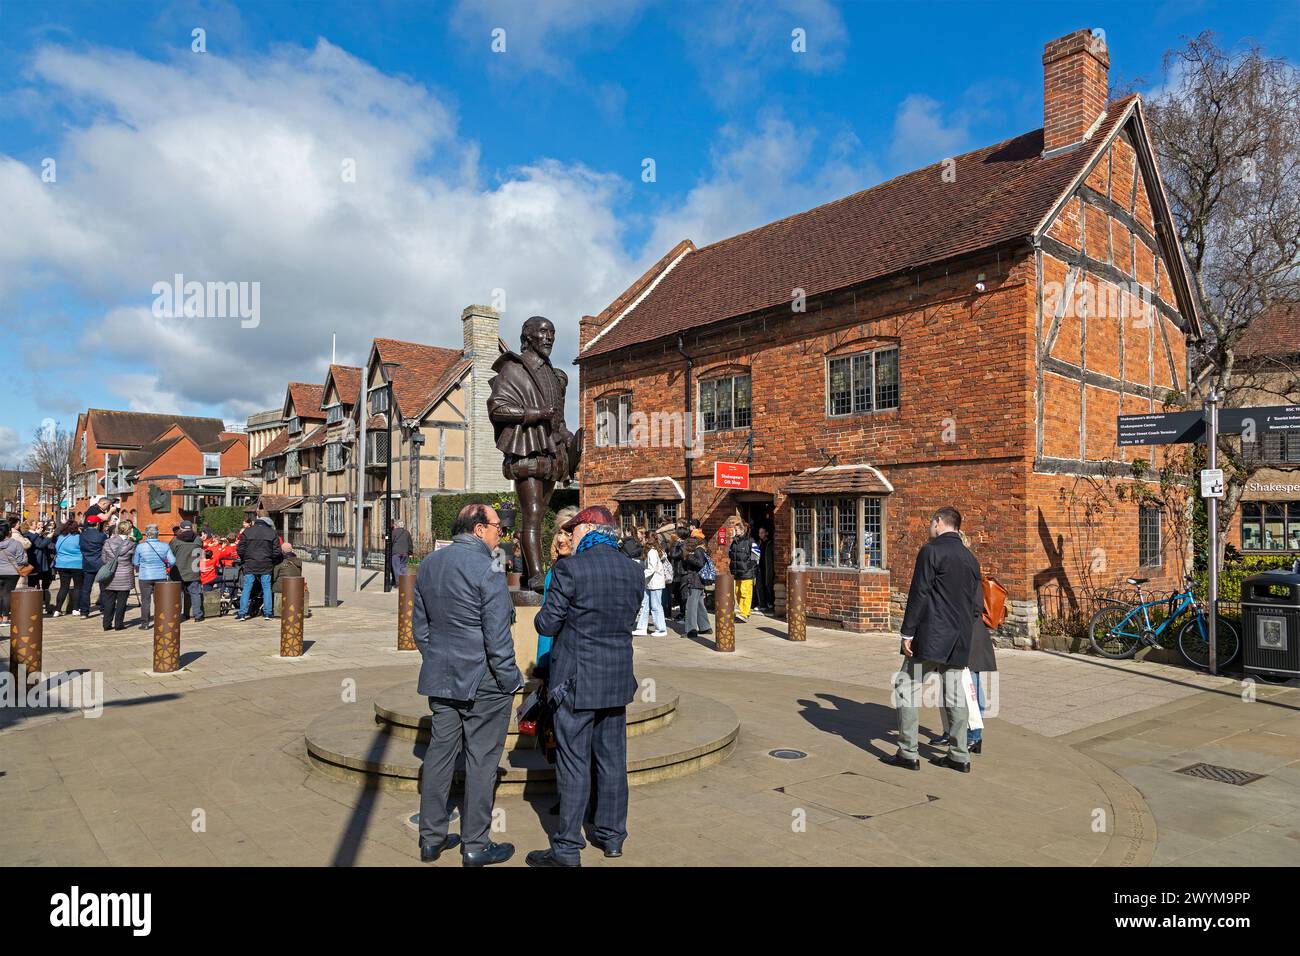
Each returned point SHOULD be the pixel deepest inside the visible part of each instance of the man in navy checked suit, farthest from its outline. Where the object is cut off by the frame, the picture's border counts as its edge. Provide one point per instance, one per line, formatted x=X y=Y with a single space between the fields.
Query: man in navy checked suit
x=591 y=608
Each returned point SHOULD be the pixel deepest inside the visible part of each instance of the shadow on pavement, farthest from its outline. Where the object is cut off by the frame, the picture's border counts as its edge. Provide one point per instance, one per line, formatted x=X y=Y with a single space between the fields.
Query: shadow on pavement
x=857 y=723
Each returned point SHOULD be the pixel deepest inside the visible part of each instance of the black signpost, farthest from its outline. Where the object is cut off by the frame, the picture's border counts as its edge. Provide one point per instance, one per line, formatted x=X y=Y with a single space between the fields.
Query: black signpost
x=1173 y=428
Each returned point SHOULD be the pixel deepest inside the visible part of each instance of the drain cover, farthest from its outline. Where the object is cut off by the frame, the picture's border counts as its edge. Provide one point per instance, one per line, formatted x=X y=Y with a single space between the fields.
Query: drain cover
x=787 y=754
x=1209 y=771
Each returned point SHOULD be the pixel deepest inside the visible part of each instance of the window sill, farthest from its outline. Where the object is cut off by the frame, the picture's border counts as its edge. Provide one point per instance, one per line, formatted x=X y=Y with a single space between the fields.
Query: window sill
x=851 y=415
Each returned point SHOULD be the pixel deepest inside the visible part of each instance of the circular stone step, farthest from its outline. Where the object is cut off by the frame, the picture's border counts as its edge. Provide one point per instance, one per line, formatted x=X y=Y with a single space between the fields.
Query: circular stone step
x=347 y=743
x=403 y=712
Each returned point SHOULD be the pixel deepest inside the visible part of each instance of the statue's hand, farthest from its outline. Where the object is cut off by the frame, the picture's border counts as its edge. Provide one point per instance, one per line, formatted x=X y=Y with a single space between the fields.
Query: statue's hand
x=535 y=416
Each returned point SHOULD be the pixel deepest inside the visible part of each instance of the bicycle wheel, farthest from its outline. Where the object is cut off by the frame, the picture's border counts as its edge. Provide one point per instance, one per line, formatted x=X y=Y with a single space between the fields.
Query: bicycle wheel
x=1194 y=643
x=1115 y=632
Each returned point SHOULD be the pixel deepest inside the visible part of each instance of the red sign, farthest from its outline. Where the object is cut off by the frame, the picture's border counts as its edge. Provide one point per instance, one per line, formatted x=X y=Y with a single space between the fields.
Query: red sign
x=730 y=475
x=722 y=536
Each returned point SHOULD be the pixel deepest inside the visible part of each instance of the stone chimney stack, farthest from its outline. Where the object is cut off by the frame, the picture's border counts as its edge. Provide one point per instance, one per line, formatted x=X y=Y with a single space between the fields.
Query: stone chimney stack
x=482 y=325
x=1075 y=70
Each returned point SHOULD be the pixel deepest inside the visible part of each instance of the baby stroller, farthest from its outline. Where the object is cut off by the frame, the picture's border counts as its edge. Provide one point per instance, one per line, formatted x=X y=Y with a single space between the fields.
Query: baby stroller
x=229 y=576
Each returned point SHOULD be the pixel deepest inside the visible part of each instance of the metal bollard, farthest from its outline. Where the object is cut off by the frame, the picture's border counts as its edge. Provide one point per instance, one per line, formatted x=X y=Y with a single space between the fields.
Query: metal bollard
x=27 y=617
x=166 y=627
x=332 y=577
x=796 y=605
x=292 y=602
x=724 y=612
x=406 y=612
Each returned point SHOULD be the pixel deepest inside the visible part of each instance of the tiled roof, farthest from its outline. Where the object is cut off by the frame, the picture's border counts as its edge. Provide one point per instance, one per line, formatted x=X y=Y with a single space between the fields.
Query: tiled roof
x=650 y=489
x=307 y=400
x=1275 y=333
x=279 y=502
x=114 y=429
x=347 y=382
x=135 y=460
x=278 y=446
x=448 y=378
x=839 y=480
x=996 y=194
x=419 y=369
x=315 y=438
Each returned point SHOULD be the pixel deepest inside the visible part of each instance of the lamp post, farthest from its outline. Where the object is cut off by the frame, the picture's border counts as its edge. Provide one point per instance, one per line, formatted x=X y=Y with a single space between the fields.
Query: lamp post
x=388 y=479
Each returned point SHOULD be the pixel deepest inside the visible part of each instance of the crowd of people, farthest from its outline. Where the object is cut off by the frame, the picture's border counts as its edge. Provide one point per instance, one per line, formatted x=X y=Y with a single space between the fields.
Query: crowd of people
x=104 y=546
x=603 y=589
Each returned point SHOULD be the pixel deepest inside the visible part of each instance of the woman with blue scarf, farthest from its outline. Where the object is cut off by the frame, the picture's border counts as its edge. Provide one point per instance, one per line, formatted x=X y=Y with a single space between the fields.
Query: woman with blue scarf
x=561 y=547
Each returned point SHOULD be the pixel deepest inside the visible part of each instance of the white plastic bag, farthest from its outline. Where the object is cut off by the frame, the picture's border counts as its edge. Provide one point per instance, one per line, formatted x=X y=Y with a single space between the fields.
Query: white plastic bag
x=974 y=719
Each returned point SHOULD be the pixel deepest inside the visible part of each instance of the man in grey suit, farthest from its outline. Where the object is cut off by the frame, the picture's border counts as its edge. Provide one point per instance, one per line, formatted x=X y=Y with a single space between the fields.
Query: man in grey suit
x=462 y=628
x=942 y=602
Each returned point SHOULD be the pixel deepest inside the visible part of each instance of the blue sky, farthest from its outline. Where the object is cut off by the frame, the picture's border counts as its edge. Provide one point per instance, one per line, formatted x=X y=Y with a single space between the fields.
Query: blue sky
x=478 y=173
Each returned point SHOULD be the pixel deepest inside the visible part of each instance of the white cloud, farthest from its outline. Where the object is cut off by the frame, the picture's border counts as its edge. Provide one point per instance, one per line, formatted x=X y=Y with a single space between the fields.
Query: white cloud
x=760 y=175
x=922 y=135
x=13 y=448
x=542 y=36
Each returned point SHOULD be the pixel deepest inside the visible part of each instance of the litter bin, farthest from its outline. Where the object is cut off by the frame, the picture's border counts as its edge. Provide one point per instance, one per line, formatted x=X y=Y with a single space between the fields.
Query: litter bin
x=1270 y=619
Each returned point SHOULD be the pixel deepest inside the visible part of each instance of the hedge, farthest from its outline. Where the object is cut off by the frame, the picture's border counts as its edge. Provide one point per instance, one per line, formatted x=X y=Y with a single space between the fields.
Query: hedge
x=222 y=520
x=1236 y=569
x=444 y=508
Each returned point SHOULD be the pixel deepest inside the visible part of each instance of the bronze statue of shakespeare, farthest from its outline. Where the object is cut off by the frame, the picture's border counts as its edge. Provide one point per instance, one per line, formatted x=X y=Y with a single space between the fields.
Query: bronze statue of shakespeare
x=526 y=407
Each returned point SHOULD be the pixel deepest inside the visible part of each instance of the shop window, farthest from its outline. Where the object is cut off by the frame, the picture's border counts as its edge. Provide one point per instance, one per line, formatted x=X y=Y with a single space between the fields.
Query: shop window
x=612 y=420
x=1270 y=526
x=839 y=532
x=633 y=516
x=726 y=403
x=863 y=382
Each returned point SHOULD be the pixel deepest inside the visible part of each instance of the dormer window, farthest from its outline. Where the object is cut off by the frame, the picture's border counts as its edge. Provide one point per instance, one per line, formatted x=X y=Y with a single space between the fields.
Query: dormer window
x=379 y=400
x=295 y=425
x=334 y=414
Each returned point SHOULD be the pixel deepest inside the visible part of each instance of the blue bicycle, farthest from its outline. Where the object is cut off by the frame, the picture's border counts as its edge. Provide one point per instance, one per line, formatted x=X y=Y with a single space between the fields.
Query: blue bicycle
x=1120 y=630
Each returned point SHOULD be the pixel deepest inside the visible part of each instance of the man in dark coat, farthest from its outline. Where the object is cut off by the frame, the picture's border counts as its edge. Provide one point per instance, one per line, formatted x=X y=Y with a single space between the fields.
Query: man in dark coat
x=461 y=620
x=942 y=602
x=259 y=550
x=526 y=407
x=591 y=608
x=402 y=547
x=189 y=551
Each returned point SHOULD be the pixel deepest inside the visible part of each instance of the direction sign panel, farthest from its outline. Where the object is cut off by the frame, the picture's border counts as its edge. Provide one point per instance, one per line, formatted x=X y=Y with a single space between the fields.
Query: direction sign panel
x=1265 y=419
x=1160 y=428
x=1211 y=482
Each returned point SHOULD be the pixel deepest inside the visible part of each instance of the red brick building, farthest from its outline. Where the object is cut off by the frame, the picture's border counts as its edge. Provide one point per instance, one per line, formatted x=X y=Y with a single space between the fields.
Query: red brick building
x=147 y=460
x=963 y=335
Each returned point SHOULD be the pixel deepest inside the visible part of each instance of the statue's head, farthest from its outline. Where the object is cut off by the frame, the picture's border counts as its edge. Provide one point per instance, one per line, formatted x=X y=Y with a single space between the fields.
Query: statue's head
x=538 y=335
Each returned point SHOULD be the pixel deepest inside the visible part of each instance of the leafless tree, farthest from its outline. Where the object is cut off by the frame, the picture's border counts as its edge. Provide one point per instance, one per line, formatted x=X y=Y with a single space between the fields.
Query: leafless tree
x=1226 y=130
x=51 y=459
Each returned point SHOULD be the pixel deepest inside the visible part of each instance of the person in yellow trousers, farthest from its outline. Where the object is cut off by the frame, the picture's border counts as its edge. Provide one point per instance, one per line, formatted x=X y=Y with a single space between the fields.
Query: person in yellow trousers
x=742 y=556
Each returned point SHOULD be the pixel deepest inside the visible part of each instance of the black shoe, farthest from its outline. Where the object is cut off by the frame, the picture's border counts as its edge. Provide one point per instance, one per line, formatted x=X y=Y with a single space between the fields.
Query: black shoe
x=610 y=852
x=430 y=853
x=707 y=630
x=546 y=858
x=947 y=761
x=898 y=760
x=977 y=747
x=495 y=853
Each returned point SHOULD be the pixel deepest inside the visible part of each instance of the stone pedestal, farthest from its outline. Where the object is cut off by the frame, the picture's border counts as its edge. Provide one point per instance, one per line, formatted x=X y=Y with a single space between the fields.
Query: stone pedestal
x=166 y=627
x=406 y=612
x=293 y=593
x=527 y=604
x=26 y=633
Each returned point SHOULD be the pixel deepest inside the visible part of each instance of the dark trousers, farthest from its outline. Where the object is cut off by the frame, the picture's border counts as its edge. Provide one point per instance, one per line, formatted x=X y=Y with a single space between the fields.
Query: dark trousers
x=478 y=727
x=763 y=593
x=7 y=584
x=192 y=600
x=399 y=567
x=586 y=738
x=69 y=589
x=146 y=600
x=115 y=608
x=45 y=581
x=88 y=572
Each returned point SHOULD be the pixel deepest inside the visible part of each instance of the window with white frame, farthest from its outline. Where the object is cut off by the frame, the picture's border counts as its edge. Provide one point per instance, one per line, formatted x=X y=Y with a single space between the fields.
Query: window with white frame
x=211 y=464
x=335 y=517
x=613 y=414
x=83 y=448
x=1150 y=550
x=840 y=532
x=646 y=514
x=725 y=403
x=862 y=382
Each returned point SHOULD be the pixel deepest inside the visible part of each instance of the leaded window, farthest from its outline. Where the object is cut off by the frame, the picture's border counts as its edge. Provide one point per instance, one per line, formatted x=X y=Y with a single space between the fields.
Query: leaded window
x=726 y=403
x=863 y=382
x=1150 y=551
x=841 y=532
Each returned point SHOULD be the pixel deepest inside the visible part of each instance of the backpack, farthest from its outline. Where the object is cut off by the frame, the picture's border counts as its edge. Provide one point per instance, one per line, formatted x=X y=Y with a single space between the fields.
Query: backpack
x=666 y=568
x=708 y=574
x=995 y=601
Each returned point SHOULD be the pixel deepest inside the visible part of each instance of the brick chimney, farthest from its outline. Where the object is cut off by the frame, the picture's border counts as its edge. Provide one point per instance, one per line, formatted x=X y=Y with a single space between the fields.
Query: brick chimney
x=1074 y=88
